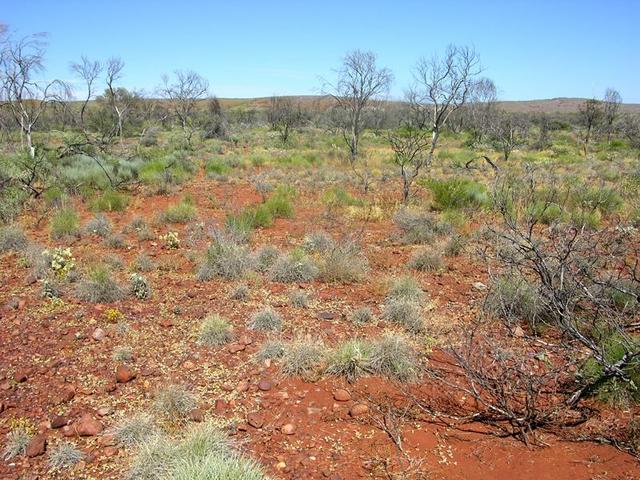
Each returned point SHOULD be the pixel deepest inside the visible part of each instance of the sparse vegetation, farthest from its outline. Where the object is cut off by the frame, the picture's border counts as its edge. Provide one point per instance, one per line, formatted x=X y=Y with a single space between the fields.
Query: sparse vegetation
x=215 y=330
x=267 y=320
x=99 y=286
x=64 y=455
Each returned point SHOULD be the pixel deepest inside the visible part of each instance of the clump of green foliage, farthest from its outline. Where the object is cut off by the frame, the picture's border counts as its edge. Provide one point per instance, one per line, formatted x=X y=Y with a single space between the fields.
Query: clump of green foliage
x=65 y=222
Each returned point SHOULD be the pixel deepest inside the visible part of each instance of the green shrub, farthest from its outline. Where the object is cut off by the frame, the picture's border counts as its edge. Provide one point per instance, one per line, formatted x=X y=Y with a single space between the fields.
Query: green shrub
x=174 y=402
x=64 y=455
x=133 y=431
x=339 y=197
x=513 y=299
x=419 y=226
x=362 y=316
x=215 y=331
x=110 y=201
x=266 y=320
x=15 y=443
x=225 y=258
x=65 y=222
x=271 y=350
x=139 y=286
x=344 y=262
x=425 y=260
x=404 y=312
x=293 y=268
x=302 y=358
x=299 y=298
x=98 y=225
x=182 y=212
x=12 y=238
x=405 y=288
x=98 y=286
x=266 y=257
x=393 y=357
x=457 y=193
x=350 y=359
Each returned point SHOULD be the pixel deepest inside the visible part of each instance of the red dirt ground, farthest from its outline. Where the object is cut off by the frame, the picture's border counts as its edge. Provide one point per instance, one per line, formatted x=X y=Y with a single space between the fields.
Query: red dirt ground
x=69 y=373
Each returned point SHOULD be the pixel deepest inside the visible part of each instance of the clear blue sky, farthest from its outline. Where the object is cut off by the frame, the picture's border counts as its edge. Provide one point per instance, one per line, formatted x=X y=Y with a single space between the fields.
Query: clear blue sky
x=531 y=49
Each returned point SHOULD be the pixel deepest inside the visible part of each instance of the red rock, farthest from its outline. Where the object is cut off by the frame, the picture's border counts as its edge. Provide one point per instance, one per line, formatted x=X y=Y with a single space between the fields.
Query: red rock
x=37 y=446
x=288 y=429
x=124 y=374
x=166 y=323
x=196 y=415
x=255 y=420
x=358 y=409
x=265 y=385
x=327 y=315
x=98 y=334
x=88 y=426
x=110 y=451
x=245 y=340
x=104 y=411
x=242 y=386
x=68 y=392
x=341 y=395
x=59 y=421
x=68 y=431
x=221 y=405
x=20 y=376
x=235 y=348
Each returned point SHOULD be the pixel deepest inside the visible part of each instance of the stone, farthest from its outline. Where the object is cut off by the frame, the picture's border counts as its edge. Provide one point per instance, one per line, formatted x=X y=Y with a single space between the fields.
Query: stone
x=124 y=374
x=255 y=420
x=236 y=347
x=327 y=315
x=288 y=429
x=88 y=426
x=110 y=451
x=341 y=395
x=59 y=421
x=104 y=411
x=98 y=334
x=265 y=385
x=358 y=410
x=479 y=286
x=518 y=332
x=243 y=386
x=196 y=415
x=37 y=446
x=20 y=376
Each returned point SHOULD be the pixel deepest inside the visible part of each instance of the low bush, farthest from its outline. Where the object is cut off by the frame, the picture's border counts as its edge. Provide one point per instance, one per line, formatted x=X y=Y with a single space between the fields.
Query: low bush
x=302 y=358
x=419 y=227
x=457 y=193
x=362 y=316
x=98 y=225
x=344 y=262
x=350 y=359
x=133 y=431
x=425 y=260
x=64 y=455
x=65 y=222
x=293 y=268
x=98 y=286
x=139 y=286
x=182 y=212
x=110 y=201
x=174 y=402
x=12 y=238
x=266 y=320
x=225 y=258
x=215 y=331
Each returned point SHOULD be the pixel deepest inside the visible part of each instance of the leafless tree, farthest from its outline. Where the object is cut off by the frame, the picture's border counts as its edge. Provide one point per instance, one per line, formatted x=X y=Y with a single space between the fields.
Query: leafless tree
x=117 y=97
x=409 y=145
x=442 y=86
x=359 y=83
x=27 y=97
x=482 y=108
x=590 y=115
x=283 y=115
x=611 y=110
x=88 y=71
x=184 y=92
x=508 y=132
x=631 y=129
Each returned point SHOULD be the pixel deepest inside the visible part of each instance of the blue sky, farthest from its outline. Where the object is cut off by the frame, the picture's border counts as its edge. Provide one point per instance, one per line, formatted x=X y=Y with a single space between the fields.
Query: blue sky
x=531 y=49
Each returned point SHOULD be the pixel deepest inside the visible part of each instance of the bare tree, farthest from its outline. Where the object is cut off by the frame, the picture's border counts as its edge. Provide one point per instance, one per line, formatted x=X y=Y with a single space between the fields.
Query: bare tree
x=482 y=108
x=184 y=93
x=283 y=115
x=26 y=96
x=116 y=97
x=409 y=145
x=590 y=115
x=88 y=71
x=611 y=110
x=631 y=129
x=442 y=86
x=508 y=132
x=359 y=83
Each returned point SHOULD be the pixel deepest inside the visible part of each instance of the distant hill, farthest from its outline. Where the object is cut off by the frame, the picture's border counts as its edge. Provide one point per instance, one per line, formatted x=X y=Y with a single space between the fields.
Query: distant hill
x=552 y=105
